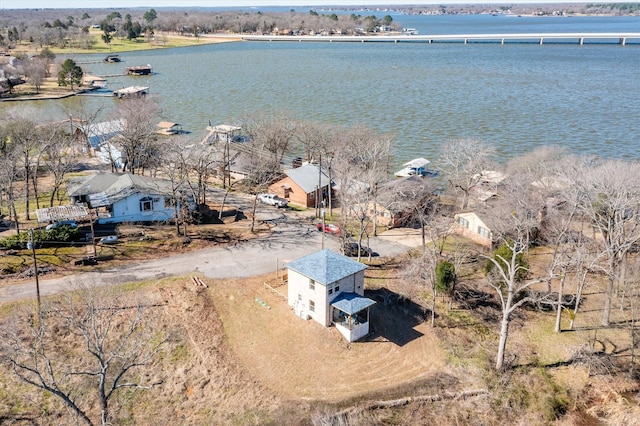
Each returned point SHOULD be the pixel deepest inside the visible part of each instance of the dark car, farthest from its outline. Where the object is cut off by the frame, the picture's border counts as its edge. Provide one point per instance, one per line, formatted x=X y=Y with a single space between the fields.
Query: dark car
x=351 y=249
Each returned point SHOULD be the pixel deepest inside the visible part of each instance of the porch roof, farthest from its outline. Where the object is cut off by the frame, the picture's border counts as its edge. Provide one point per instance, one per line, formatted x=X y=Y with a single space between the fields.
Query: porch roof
x=351 y=303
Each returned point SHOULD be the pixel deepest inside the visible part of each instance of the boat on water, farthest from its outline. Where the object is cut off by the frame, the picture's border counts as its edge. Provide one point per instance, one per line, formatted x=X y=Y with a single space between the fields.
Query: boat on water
x=409 y=31
x=416 y=167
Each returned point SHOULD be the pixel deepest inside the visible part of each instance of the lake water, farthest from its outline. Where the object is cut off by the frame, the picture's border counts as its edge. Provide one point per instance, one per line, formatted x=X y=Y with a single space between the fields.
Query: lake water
x=515 y=96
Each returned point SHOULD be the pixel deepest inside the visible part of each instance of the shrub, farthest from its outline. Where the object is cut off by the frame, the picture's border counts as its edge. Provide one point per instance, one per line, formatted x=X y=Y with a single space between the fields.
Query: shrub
x=41 y=237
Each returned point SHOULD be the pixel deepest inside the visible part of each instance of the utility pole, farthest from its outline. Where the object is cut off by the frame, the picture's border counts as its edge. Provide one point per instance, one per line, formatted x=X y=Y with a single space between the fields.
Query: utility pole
x=93 y=235
x=323 y=223
x=32 y=246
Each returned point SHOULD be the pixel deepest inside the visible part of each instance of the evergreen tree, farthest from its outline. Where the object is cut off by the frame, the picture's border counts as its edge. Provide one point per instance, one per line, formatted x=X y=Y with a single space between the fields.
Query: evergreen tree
x=70 y=74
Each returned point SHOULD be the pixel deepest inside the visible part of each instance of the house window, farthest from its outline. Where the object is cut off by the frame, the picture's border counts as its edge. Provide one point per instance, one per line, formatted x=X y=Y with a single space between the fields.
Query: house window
x=337 y=289
x=330 y=290
x=312 y=285
x=312 y=306
x=463 y=222
x=483 y=231
x=146 y=204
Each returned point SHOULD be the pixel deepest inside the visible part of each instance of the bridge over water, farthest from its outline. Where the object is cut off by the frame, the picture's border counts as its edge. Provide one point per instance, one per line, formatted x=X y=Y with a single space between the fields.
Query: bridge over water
x=537 y=38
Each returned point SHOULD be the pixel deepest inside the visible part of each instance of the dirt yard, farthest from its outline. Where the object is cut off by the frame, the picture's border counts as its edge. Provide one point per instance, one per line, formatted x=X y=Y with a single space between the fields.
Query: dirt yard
x=302 y=359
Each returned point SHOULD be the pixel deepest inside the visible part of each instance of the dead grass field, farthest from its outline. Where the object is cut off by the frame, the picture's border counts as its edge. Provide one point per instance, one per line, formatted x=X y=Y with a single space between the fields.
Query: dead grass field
x=300 y=359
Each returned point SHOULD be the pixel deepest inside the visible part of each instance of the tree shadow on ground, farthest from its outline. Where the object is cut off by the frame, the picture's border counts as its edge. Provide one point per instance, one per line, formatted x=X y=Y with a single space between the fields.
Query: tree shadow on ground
x=393 y=318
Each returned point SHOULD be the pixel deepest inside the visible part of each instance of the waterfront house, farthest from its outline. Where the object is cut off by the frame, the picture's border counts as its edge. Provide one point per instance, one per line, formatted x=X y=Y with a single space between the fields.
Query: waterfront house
x=111 y=152
x=396 y=200
x=329 y=288
x=124 y=197
x=98 y=133
x=489 y=182
x=302 y=185
x=475 y=225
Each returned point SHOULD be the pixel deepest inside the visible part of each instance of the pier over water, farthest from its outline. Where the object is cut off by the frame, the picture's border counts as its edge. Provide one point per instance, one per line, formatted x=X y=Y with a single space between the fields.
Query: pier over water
x=537 y=38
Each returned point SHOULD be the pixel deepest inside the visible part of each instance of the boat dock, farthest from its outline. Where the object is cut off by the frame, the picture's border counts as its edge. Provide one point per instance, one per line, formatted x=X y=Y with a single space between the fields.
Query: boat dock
x=535 y=38
x=131 y=92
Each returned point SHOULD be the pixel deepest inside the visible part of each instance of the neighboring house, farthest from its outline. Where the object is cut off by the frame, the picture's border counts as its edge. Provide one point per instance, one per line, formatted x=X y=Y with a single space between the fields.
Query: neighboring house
x=111 y=152
x=99 y=133
x=395 y=200
x=300 y=186
x=489 y=182
x=329 y=288
x=476 y=226
x=123 y=197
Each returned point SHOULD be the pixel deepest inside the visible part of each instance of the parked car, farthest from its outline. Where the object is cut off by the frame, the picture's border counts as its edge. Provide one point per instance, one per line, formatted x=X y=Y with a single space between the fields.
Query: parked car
x=350 y=248
x=329 y=228
x=109 y=239
x=273 y=200
x=69 y=223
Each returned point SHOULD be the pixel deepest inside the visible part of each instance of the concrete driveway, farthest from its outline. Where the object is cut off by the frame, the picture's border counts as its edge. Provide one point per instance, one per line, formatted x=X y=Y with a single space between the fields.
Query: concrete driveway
x=292 y=236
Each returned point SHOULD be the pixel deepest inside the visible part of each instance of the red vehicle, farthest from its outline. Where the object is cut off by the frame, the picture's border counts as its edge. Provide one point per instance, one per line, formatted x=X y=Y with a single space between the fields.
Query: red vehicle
x=329 y=228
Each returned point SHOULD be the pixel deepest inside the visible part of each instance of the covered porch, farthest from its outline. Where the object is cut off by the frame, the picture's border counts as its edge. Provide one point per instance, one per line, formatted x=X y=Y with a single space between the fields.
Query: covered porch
x=351 y=315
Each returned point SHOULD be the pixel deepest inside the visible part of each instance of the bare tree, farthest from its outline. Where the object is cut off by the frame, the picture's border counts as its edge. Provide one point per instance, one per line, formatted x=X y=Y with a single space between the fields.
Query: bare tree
x=507 y=268
x=22 y=127
x=631 y=300
x=89 y=345
x=272 y=133
x=420 y=273
x=610 y=201
x=361 y=164
x=137 y=138
x=463 y=162
x=59 y=157
x=9 y=173
x=415 y=201
x=35 y=71
x=546 y=174
x=201 y=162
x=179 y=160
x=319 y=142
x=83 y=118
x=51 y=135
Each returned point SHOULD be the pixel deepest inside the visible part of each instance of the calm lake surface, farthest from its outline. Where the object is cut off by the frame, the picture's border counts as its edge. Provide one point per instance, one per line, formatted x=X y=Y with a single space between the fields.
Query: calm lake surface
x=515 y=96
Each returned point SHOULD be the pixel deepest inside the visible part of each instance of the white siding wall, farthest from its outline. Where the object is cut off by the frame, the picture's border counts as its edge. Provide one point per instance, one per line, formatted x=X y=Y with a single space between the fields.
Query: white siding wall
x=300 y=293
x=128 y=210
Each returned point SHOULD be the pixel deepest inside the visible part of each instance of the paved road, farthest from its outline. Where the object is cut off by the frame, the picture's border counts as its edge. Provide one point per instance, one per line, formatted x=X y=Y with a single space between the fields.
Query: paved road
x=291 y=237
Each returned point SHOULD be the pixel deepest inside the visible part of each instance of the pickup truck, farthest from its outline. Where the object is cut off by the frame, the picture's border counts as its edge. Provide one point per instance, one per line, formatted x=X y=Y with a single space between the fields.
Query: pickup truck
x=272 y=199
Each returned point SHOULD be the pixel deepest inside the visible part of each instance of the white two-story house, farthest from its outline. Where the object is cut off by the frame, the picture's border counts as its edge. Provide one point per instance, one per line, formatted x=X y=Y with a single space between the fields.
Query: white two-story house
x=329 y=288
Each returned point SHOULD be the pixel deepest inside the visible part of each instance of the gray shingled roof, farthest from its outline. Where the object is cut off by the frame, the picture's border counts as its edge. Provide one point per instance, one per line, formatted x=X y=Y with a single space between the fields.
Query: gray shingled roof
x=306 y=177
x=325 y=266
x=111 y=187
x=351 y=303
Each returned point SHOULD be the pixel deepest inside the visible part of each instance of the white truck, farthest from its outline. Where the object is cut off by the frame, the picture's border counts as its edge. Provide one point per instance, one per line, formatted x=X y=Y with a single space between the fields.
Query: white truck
x=272 y=199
